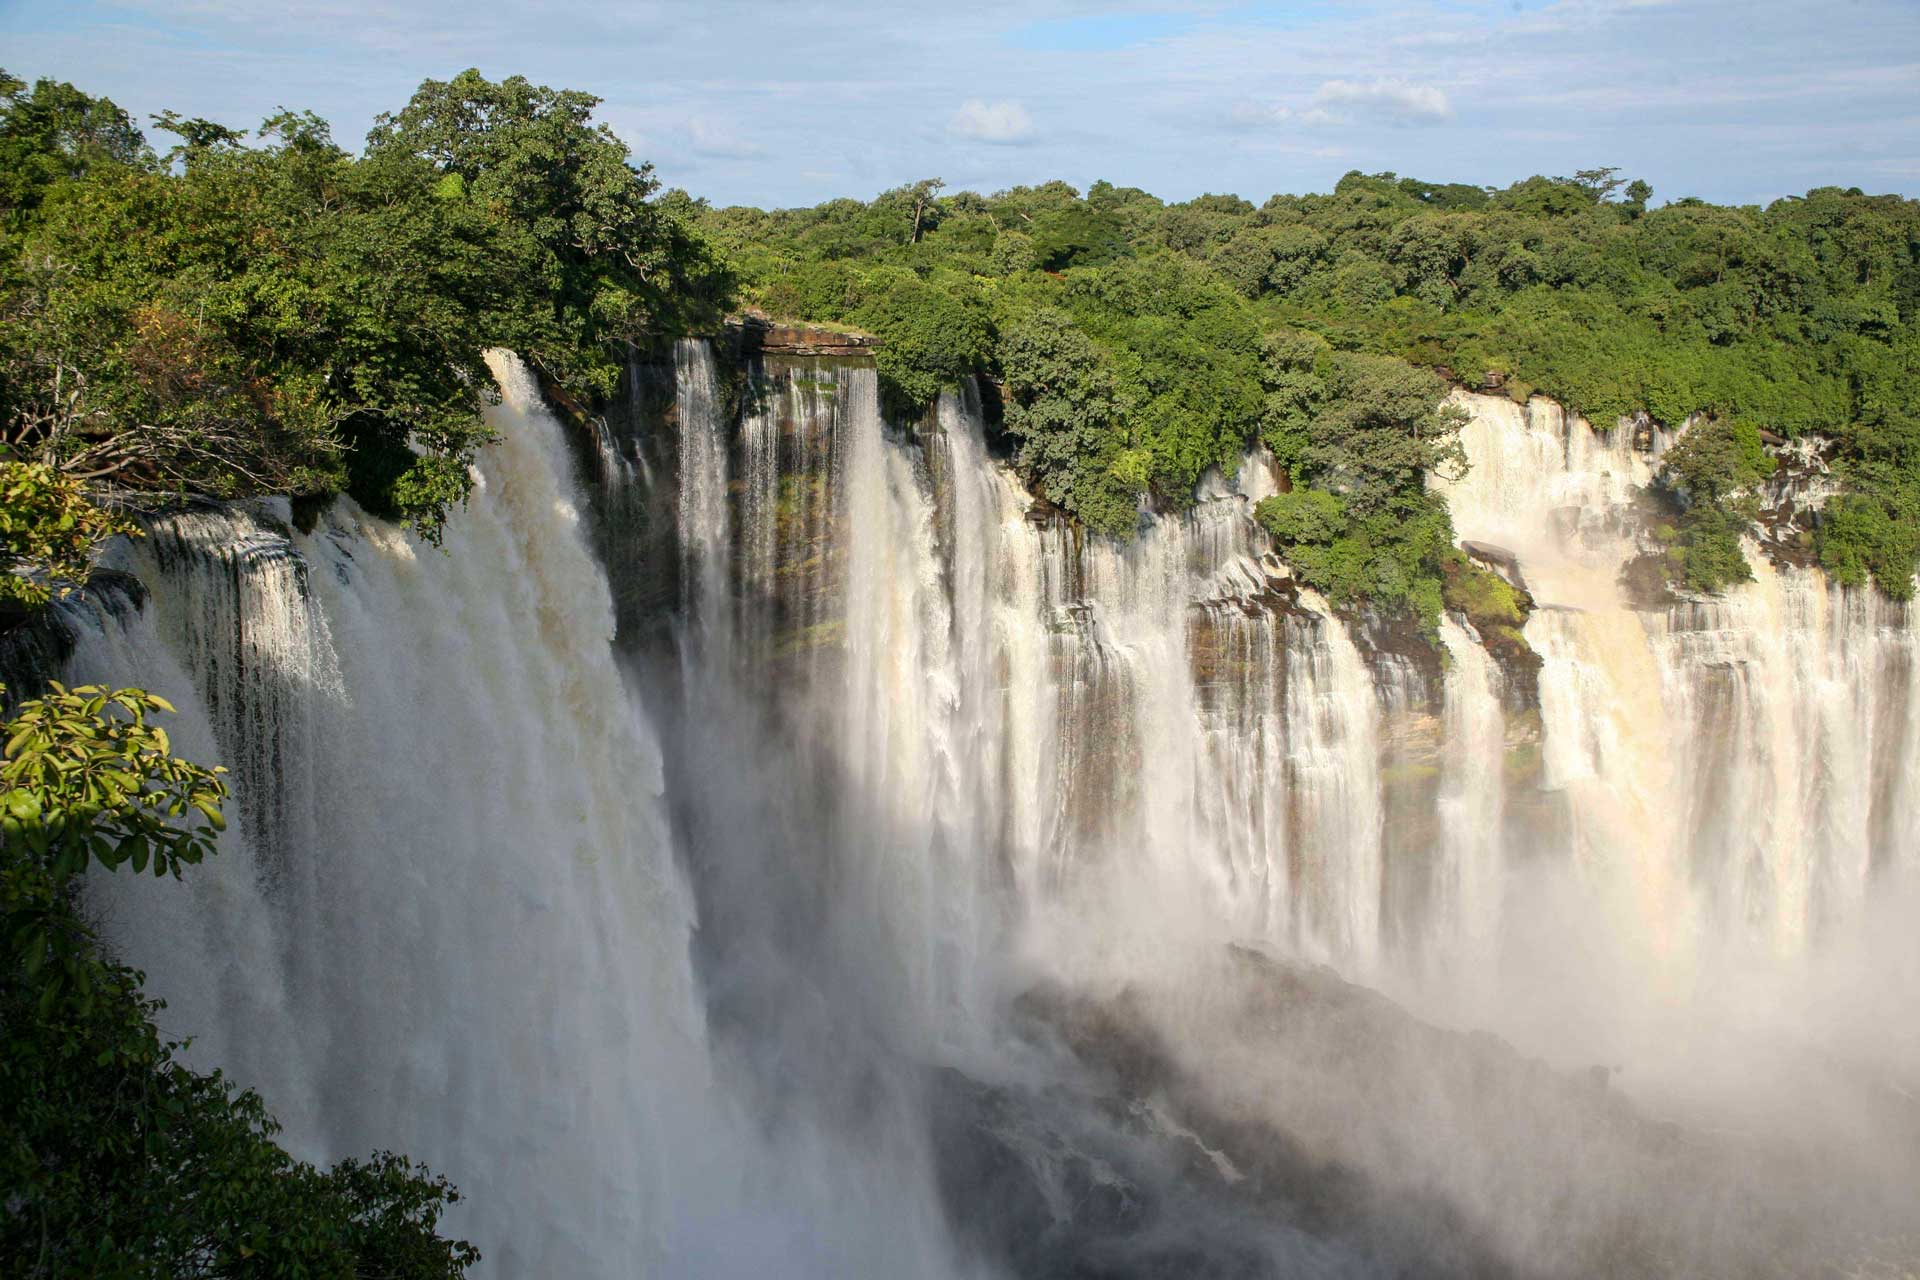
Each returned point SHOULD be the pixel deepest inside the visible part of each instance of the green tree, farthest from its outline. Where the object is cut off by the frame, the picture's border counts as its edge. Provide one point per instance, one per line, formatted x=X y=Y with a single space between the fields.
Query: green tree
x=1062 y=408
x=591 y=263
x=54 y=133
x=1717 y=458
x=48 y=532
x=118 y=1160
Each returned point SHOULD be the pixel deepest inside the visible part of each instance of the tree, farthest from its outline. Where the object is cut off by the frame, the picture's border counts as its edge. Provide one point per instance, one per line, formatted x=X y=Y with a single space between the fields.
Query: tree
x=54 y=133
x=1303 y=517
x=590 y=263
x=1600 y=184
x=1062 y=408
x=930 y=338
x=48 y=532
x=118 y=1160
x=1717 y=458
x=923 y=193
x=1800 y=318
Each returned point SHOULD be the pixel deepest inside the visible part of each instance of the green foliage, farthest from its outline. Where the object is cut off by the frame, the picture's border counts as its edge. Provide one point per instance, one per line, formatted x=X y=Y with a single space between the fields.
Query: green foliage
x=118 y=1160
x=1309 y=517
x=930 y=337
x=590 y=263
x=285 y=317
x=1487 y=600
x=1716 y=467
x=1392 y=559
x=1862 y=537
x=48 y=531
x=1063 y=407
x=1799 y=317
x=1013 y=252
x=53 y=133
x=1717 y=458
x=1710 y=555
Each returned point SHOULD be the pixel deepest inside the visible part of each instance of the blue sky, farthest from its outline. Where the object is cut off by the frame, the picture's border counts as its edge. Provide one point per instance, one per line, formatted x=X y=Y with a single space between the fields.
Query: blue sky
x=784 y=102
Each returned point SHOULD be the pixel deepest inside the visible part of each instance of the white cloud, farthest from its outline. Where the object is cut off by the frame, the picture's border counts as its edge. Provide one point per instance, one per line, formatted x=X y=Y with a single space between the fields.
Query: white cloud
x=1341 y=102
x=1394 y=101
x=710 y=138
x=1000 y=122
x=1252 y=115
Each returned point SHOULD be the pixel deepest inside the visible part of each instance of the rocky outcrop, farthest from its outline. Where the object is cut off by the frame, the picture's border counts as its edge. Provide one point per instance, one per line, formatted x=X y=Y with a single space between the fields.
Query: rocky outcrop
x=1790 y=501
x=1274 y=1119
x=35 y=647
x=761 y=335
x=1122 y=1167
x=1499 y=559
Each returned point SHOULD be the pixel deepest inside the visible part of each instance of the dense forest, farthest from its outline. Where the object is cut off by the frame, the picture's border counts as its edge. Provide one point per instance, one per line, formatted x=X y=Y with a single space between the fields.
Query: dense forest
x=276 y=314
x=202 y=311
x=1142 y=342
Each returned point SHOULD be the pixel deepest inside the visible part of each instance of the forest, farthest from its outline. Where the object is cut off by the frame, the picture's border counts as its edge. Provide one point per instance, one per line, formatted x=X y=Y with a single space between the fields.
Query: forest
x=272 y=312
x=198 y=311
x=1142 y=341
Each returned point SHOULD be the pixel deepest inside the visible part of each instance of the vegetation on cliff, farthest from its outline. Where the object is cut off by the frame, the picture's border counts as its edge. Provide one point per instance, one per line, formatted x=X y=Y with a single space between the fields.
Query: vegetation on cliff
x=277 y=314
x=1799 y=317
x=117 y=1159
x=287 y=317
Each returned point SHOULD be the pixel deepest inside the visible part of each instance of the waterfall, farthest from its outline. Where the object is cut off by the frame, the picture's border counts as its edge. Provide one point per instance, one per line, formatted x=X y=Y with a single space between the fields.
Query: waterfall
x=703 y=485
x=663 y=870
x=466 y=936
x=1335 y=772
x=1472 y=802
x=985 y=716
x=1727 y=766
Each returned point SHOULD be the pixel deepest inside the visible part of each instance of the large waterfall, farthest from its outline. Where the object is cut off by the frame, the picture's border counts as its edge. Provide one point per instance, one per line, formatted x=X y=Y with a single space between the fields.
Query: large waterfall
x=861 y=903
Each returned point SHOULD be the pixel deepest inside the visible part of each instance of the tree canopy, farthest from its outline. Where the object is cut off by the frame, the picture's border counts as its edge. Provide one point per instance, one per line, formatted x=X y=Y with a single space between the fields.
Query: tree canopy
x=1149 y=321
x=276 y=315
x=268 y=312
x=118 y=1159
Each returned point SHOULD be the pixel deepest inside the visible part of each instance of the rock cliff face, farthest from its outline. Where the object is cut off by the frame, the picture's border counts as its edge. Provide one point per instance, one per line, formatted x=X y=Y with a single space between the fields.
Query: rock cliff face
x=1289 y=1122
x=913 y=857
x=758 y=336
x=1319 y=757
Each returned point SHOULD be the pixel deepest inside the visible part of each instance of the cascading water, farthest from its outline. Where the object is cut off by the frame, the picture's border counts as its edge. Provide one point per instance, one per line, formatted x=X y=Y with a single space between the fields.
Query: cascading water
x=1729 y=767
x=465 y=936
x=1472 y=803
x=724 y=957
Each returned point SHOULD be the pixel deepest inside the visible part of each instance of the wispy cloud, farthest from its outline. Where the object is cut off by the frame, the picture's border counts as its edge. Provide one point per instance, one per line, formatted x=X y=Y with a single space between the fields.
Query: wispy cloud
x=715 y=140
x=1729 y=99
x=1392 y=101
x=1343 y=102
x=999 y=122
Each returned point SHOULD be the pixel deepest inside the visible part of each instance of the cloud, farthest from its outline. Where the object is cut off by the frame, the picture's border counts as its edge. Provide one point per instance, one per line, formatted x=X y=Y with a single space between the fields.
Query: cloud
x=711 y=139
x=1394 y=101
x=997 y=122
x=1247 y=114
x=1345 y=102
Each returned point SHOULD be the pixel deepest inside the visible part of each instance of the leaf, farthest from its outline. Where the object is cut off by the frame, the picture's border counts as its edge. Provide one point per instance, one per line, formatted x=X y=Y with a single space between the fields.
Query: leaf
x=215 y=818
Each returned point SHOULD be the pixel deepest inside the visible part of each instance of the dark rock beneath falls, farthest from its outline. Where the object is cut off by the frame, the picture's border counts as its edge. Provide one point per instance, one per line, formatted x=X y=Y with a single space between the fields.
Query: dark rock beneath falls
x=1499 y=559
x=35 y=644
x=1121 y=1166
x=1273 y=1119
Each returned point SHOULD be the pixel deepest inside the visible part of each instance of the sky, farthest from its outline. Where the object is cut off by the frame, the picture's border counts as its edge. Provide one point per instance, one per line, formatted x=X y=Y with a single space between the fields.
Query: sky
x=791 y=102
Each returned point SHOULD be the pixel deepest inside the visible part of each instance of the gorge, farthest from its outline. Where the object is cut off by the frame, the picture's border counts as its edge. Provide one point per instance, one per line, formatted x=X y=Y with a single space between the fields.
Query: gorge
x=838 y=862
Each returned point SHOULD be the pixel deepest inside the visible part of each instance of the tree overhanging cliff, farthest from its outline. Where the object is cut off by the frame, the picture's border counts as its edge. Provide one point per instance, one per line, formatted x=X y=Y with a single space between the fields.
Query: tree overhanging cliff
x=287 y=317
x=284 y=316
x=1798 y=319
